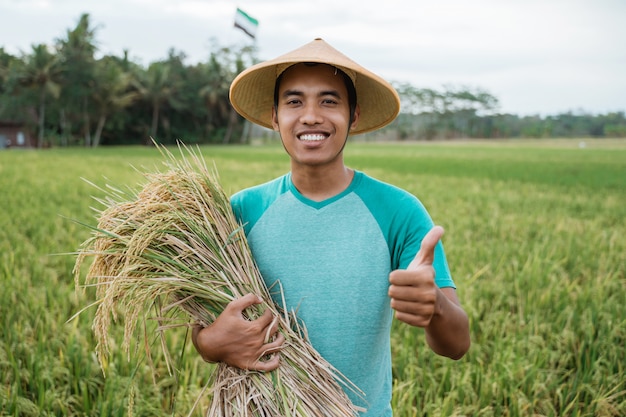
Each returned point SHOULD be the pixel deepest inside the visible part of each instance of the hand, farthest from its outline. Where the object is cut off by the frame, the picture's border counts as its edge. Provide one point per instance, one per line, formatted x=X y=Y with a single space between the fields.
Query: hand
x=240 y=342
x=413 y=291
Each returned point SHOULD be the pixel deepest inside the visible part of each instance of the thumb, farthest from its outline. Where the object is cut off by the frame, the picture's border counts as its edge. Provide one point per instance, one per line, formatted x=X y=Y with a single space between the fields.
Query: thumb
x=426 y=254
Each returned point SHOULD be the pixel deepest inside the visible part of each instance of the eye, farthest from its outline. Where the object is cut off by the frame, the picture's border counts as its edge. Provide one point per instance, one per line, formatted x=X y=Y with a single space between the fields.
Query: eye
x=329 y=101
x=292 y=101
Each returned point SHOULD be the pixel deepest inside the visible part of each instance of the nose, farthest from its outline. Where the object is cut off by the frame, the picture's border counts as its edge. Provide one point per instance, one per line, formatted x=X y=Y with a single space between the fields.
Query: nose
x=310 y=115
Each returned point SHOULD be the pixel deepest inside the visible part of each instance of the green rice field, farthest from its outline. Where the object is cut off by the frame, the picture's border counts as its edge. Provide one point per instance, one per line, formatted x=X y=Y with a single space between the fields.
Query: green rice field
x=535 y=238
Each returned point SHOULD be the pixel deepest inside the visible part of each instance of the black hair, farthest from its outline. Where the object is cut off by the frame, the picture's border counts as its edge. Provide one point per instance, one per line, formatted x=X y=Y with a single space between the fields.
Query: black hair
x=346 y=80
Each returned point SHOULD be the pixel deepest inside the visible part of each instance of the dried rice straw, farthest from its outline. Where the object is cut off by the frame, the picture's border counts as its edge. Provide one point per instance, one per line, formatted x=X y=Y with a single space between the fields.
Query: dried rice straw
x=176 y=246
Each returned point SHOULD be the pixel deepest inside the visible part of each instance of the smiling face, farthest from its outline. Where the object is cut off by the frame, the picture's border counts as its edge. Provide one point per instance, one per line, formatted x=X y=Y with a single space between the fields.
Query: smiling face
x=313 y=115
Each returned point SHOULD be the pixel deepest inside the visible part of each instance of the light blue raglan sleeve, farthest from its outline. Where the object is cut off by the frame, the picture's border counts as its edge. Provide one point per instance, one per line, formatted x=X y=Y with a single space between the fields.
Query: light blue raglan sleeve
x=249 y=204
x=404 y=221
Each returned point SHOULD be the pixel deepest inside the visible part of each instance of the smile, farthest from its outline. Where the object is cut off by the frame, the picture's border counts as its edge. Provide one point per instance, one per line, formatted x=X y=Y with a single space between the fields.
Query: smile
x=312 y=137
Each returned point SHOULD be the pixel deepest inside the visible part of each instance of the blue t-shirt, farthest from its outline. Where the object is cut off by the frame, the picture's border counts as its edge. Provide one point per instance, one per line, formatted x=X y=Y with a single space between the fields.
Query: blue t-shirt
x=333 y=259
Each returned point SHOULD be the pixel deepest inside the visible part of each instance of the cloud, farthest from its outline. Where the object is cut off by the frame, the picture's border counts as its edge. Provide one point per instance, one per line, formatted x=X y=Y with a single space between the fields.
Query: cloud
x=535 y=56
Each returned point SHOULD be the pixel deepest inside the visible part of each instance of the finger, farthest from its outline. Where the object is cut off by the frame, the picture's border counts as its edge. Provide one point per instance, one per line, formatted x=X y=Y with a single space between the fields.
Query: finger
x=274 y=346
x=268 y=365
x=418 y=276
x=402 y=285
x=240 y=304
x=271 y=329
x=266 y=321
x=413 y=320
x=426 y=254
x=270 y=357
x=409 y=307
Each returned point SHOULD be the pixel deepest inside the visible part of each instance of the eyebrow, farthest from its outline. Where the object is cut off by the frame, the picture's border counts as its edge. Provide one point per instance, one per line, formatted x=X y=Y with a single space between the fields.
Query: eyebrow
x=333 y=93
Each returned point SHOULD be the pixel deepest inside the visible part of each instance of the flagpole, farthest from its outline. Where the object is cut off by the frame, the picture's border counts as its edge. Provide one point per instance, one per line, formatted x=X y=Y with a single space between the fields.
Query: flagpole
x=248 y=25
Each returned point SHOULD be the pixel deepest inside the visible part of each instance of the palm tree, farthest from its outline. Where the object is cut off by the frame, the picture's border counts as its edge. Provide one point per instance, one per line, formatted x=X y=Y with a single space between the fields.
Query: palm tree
x=40 y=72
x=5 y=62
x=224 y=64
x=155 y=87
x=77 y=54
x=215 y=94
x=110 y=93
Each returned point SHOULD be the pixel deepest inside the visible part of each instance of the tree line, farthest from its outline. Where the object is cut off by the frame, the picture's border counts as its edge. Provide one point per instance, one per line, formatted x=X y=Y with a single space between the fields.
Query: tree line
x=69 y=97
x=472 y=113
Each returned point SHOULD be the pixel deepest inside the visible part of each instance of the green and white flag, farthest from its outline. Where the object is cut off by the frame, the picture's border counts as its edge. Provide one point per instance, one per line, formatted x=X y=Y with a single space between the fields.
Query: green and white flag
x=246 y=23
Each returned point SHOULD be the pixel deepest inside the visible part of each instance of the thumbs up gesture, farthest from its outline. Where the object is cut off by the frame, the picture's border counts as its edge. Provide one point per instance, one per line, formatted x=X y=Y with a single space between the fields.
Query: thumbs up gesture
x=413 y=291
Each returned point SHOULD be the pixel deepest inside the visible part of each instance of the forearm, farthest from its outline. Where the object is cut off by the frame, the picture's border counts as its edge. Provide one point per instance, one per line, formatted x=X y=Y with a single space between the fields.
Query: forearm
x=447 y=333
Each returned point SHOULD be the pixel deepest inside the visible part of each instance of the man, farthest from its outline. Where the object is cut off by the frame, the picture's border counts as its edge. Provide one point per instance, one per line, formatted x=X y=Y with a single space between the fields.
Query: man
x=347 y=250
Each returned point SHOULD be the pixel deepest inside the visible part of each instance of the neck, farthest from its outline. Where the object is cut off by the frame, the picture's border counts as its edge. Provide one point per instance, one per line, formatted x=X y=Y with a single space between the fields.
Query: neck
x=321 y=183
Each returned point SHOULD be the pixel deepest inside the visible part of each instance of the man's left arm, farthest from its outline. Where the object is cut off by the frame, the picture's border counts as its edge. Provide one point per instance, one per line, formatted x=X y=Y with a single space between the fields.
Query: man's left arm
x=419 y=302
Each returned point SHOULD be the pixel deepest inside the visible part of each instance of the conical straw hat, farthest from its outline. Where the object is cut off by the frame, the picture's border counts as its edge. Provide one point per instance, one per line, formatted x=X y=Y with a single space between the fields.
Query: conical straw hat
x=252 y=91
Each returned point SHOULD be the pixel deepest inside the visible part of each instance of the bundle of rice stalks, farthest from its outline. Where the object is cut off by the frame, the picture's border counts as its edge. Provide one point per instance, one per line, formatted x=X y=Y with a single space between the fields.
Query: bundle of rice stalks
x=176 y=246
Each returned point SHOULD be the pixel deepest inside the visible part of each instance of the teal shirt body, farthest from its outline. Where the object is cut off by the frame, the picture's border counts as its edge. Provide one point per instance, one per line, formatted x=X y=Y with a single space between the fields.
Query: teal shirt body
x=333 y=259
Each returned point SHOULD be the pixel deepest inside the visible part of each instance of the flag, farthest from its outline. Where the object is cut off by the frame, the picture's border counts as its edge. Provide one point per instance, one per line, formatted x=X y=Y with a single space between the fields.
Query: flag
x=246 y=23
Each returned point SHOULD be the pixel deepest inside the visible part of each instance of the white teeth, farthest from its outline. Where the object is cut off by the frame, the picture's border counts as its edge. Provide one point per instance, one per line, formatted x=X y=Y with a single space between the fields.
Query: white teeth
x=312 y=137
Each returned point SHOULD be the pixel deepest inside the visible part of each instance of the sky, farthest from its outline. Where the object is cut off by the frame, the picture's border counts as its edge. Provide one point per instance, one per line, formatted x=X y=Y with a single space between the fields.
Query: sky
x=537 y=57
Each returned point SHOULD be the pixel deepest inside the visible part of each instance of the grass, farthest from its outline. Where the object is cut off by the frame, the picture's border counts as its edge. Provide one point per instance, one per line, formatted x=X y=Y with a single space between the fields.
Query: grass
x=535 y=236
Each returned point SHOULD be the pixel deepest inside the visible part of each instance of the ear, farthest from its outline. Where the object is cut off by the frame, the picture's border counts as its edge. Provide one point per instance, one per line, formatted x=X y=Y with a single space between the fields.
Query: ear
x=274 y=119
x=355 y=120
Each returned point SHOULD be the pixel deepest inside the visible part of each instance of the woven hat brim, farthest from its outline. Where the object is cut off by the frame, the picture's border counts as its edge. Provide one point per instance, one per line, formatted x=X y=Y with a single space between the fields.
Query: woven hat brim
x=252 y=91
